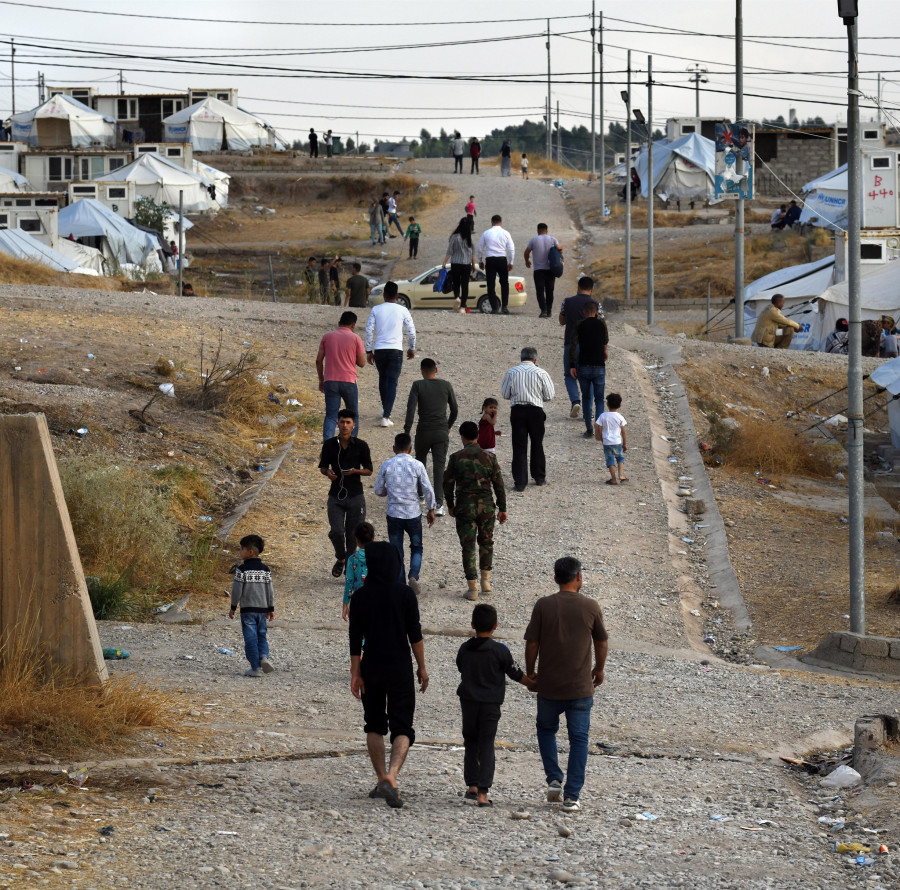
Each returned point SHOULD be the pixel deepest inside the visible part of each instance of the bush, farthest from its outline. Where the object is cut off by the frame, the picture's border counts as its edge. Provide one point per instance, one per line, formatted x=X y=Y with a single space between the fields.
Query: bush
x=775 y=450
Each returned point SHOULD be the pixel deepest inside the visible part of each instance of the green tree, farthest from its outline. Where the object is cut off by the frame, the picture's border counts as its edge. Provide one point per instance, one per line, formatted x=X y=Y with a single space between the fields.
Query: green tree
x=148 y=213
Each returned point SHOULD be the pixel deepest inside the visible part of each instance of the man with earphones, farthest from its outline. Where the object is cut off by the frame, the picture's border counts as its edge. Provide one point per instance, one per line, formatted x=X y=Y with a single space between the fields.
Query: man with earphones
x=345 y=460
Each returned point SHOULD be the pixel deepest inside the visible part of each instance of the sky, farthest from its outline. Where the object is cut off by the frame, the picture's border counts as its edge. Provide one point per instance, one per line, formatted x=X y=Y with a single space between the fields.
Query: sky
x=374 y=68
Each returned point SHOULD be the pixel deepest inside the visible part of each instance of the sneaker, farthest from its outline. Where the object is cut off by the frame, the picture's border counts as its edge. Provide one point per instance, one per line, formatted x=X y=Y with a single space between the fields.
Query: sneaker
x=576 y=410
x=386 y=421
x=253 y=672
x=505 y=311
x=587 y=434
x=414 y=584
x=266 y=665
x=439 y=510
x=571 y=806
x=554 y=791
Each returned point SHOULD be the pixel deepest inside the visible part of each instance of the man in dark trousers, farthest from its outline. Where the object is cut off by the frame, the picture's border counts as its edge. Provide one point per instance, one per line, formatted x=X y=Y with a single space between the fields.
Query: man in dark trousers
x=384 y=614
x=567 y=641
x=570 y=314
x=344 y=460
x=313 y=143
x=471 y=482
x=588 y=354
x=432 y=397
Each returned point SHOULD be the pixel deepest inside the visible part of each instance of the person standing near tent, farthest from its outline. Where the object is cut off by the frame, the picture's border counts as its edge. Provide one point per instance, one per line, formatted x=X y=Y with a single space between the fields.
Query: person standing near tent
x=770 y=321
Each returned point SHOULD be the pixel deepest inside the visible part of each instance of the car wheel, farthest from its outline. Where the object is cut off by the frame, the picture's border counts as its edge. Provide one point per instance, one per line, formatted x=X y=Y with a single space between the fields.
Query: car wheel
x=484 y=305
x=403 y=300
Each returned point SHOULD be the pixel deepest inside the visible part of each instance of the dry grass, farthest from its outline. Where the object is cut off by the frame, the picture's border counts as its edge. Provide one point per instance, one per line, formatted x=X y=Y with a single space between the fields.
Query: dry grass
x=772 y=448
x=15 y=271
x=43 y=711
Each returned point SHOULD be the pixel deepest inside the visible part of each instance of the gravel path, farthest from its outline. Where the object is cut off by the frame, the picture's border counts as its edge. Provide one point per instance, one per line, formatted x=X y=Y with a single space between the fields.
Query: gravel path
x=274 y=796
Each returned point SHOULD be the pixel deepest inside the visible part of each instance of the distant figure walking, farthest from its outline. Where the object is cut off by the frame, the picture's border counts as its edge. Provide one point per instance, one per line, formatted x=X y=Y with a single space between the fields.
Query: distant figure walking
x=474 y=154
x=505 y=158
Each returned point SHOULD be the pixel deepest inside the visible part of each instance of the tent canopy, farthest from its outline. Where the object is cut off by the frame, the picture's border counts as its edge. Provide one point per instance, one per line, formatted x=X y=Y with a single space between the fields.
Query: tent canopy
x=685 y=168
x=210 y=123
x=13 y=182
x=63 y=121
x=825 y=201
x=21 y=245
x=89 y=218
x=161 y=180
x=806 y=280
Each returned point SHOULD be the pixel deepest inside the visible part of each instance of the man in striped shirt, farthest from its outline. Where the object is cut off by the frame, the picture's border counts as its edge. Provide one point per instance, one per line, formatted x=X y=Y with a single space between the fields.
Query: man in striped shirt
x=527 y=387
x=399 y=480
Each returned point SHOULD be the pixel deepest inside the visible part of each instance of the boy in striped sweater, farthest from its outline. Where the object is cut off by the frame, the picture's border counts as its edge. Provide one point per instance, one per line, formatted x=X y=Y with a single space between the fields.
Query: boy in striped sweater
x=252 y=591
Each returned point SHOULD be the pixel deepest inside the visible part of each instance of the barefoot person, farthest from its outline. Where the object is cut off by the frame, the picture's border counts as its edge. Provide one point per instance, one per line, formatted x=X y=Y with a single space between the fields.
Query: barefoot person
x=385 y=614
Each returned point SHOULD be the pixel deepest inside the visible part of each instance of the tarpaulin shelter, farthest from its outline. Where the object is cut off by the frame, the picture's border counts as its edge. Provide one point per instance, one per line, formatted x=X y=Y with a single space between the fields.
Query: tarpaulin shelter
x=888 y=377
x=825 y=201
x=63 y=121
x=685 y=168
x=161 y=180
x=11 y=181
x=212 y=125
x=21 y=245
x=879 y=295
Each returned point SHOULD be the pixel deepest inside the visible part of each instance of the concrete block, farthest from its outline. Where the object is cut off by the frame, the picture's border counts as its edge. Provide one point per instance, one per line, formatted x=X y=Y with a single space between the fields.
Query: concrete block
x=869 y=733
x=848 y=642
x=44 y=603
x=895 y=649
x=876 y=647
x=874 y=665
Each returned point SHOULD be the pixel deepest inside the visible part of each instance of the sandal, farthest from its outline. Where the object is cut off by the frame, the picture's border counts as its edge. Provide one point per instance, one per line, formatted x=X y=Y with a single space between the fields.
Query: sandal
x=486 y=803
x=375 y=793
x=391 y=794
x=470 y=795
x=610 y=482
x=623 y=479
x=338 y=568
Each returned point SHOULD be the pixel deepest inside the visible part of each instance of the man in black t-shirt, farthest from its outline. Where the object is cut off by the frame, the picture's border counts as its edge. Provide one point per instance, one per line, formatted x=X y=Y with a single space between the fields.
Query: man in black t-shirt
x=344 y=460
x=588 y=353
x=357 y=289
x=570 y=314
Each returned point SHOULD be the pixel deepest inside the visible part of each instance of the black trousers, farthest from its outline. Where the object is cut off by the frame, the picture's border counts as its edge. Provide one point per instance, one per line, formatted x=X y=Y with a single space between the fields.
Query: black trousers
x=497 y=267
x=527 y=422
x=389 y=702
x=544 y=282
x=459 y=275
x=479 y=728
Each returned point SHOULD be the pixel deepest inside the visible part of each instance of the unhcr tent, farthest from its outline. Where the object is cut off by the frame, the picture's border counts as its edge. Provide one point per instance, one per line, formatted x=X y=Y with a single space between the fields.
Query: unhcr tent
x=800 y=286
x=211 y=125
x=879 y=295
x=685 y=168
x=161 y=180
x=21 y=245
x=63 y=121
x=220 y=182
x=825 y=203
x=121 y=243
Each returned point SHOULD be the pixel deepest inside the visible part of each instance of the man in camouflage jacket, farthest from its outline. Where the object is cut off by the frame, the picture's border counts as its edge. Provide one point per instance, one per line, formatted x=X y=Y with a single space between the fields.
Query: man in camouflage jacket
x=469 y=480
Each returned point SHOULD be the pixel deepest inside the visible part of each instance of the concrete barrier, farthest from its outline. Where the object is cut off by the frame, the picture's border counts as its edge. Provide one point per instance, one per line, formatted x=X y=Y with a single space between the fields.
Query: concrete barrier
x=876 y=655
x=44 y=603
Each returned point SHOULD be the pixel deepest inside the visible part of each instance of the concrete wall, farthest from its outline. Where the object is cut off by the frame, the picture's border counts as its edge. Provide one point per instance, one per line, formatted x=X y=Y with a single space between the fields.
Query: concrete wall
x=44 y=602
x=879 y=655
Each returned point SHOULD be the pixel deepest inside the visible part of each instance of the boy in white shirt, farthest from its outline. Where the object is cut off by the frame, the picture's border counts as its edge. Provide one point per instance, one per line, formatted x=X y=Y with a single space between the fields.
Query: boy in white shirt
x=609 y=428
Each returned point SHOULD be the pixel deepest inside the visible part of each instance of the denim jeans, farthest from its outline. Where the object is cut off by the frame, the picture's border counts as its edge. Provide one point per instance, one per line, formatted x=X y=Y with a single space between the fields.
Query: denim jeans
x=578 y=724
x=592 y=380
x=256 y=643
x=375 y=233
x=413 y=527
x=571 y=385
x=335 y=391
x=389 y=363
x=393 y=219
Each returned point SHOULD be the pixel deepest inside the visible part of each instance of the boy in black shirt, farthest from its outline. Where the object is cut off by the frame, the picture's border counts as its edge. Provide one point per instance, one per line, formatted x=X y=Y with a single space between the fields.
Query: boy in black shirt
x=482 y=662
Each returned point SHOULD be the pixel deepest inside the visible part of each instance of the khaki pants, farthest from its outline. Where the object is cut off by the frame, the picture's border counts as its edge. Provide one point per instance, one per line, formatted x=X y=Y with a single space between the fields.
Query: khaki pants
x=784 y=340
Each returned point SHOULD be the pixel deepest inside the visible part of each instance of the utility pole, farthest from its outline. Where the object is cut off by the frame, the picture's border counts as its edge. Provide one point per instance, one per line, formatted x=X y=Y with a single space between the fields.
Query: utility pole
x=650 y=190
x=602 y=127
x=558 y=136
x=121 y=84
x=879 y=97
x=12 y=71
x=594 y=102
x=697 y=77
x=739 y=208
x=628 y=184
x=180 y=242
x=549 y=123
x=848 y=10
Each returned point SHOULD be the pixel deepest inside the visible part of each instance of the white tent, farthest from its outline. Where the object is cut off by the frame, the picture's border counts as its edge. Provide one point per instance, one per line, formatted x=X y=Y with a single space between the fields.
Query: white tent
x=121 y=243
x=685 y=168
x=825 y=203
x=161 y=180
x=88 y=258
x=13 y=182
x=63 y=121
x=21 y=245
x=888 y=376
x=219 y=180
x=210 y=124
x=879 y=295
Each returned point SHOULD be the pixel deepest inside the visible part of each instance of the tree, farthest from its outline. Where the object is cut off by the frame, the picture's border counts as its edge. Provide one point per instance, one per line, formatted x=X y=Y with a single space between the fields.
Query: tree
x=349 y=145
x=148 y=213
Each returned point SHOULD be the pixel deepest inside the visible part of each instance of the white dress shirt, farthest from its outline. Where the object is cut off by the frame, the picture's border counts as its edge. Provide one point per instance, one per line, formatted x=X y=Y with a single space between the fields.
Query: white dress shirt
x=384 y=329
x=399 y=479
x=527 y=384
x=496 y=241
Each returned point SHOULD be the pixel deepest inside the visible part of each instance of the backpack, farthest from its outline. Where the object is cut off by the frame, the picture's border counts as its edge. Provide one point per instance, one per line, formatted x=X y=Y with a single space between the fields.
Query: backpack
x=555 y=260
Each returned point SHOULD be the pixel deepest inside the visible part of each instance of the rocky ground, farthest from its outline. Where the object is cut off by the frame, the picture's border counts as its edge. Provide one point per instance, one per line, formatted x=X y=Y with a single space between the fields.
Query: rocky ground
x=264 y=782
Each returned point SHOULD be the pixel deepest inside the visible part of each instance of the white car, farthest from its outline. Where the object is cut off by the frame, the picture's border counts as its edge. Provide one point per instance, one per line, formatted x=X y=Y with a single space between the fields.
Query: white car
x=419 y=293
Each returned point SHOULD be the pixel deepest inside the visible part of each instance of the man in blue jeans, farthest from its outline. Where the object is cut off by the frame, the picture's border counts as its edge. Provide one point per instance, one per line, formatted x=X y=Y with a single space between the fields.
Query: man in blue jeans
x=399 y=480
x=588 y=353
x=341 y=352
x=566 y=639
x=384 y=346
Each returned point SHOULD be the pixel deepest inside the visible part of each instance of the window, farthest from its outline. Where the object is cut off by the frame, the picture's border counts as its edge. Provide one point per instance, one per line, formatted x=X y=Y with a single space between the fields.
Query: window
x=7 y=146
x=91 y=167
x=688 y=128
x=46 y=202
x=871 y=135
x=174 y=153
x=882 y=162
x=30 y=225
x=59 y=169
x=170 y=106
x=126 y=109
x=4 y=220
x=88 y=190
x=223 y=97
x=24 y=202
x=197 y=95
x=117 y=192
x=147 y=150
x=82 y=96
x=115 y=163
x=873 y=251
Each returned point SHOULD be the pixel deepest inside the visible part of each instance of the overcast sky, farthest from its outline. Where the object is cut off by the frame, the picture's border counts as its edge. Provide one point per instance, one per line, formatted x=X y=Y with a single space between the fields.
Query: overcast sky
x=788 y=61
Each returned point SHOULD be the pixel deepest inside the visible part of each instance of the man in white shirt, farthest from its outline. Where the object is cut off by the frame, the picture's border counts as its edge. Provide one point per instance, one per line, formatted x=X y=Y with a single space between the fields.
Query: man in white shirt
x=496 y=255
x=393 y=213
x=538 y=253
x=527 y=387
x=384 y=346
x=399 y=480
x=458 y=148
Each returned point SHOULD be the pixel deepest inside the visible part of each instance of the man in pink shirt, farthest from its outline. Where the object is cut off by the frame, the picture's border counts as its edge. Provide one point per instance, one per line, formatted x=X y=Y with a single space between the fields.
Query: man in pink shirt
x=341 y=352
